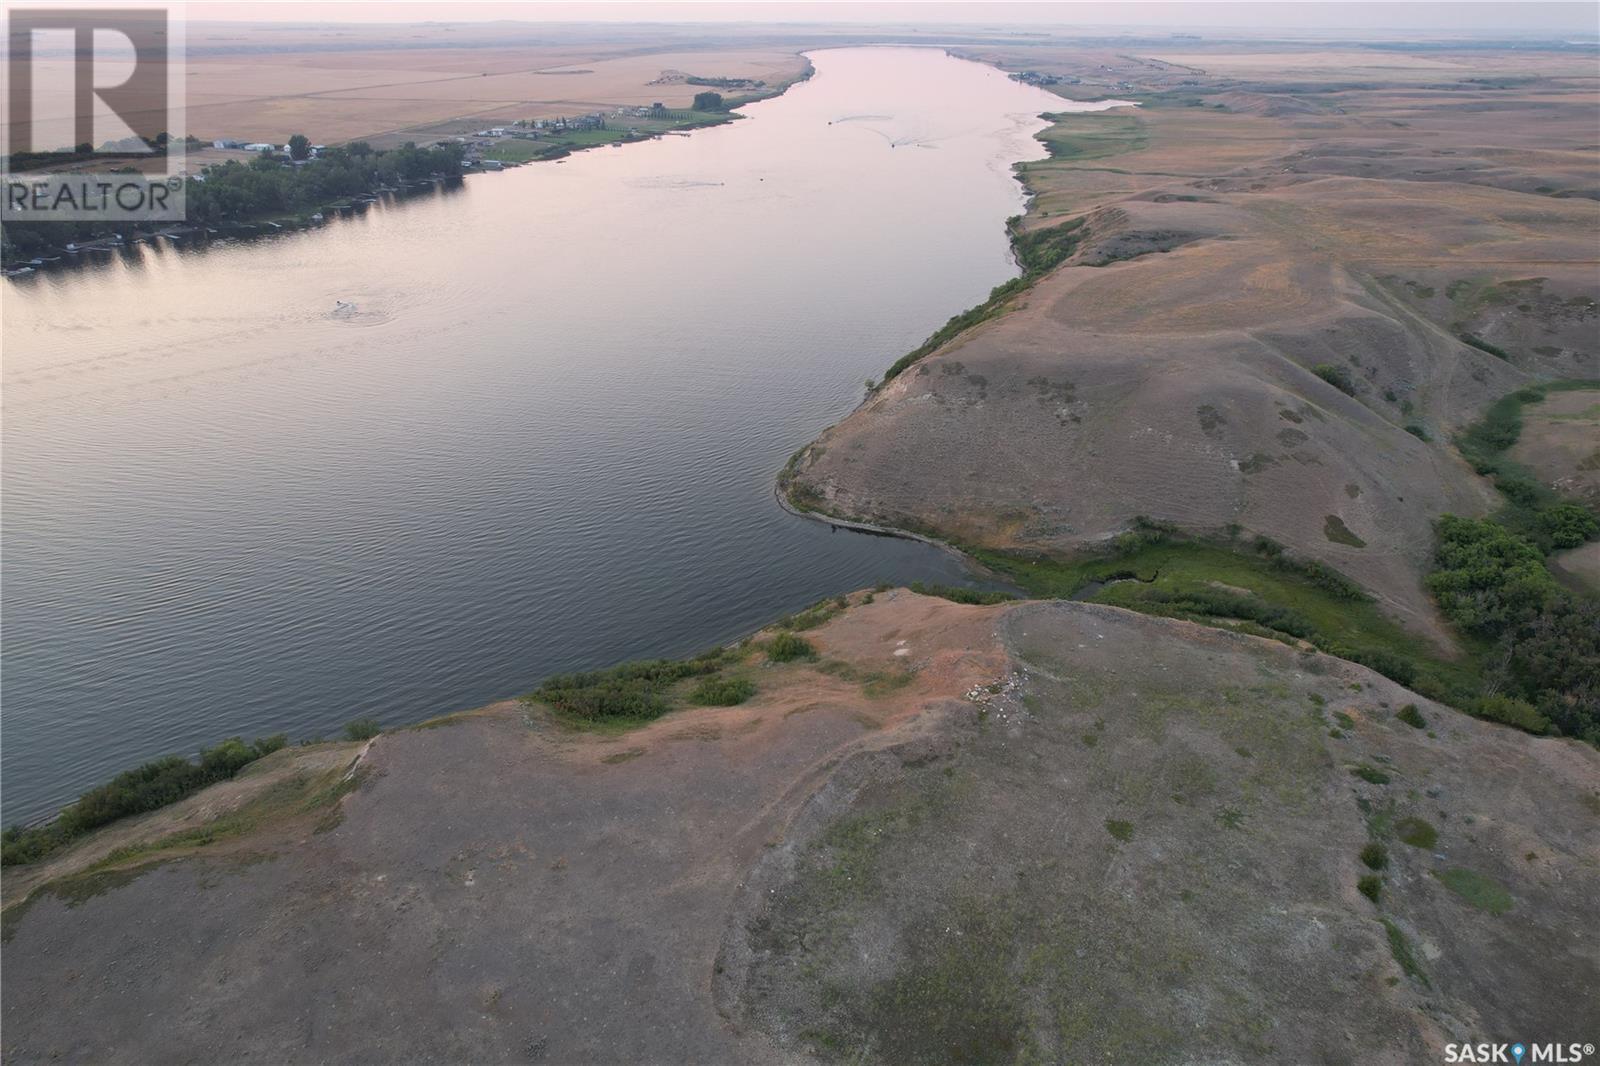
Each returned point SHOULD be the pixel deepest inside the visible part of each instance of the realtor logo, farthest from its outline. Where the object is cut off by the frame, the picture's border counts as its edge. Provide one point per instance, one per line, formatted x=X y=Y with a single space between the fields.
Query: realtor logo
x=1516 y=1053
x=93 y=128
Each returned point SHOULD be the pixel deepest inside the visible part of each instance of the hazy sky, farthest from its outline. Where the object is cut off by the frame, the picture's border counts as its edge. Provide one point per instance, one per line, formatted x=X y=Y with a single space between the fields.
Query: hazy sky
x=1451 y=15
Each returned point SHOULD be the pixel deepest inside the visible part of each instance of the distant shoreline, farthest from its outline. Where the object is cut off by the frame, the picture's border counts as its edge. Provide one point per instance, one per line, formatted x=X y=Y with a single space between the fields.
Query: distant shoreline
x=80 y=252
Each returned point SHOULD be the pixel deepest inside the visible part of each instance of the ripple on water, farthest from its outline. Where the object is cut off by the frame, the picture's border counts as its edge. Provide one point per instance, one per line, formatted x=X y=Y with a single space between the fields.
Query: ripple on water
x=233 y=507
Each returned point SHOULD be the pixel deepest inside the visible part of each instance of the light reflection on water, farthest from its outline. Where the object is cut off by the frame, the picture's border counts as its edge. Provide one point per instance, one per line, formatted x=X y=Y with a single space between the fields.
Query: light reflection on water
x=543 y=437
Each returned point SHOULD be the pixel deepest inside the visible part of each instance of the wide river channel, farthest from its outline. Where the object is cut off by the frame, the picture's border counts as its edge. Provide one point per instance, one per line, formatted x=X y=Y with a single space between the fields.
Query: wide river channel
x=542 y=437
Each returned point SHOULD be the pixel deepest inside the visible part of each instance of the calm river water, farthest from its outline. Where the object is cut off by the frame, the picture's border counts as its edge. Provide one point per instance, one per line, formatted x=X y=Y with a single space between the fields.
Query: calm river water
x=544 y=439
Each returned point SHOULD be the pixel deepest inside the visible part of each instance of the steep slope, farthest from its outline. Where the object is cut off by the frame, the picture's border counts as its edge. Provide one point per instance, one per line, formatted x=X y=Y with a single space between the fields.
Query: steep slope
x=1268 y=324
x=962 y=833
x=1147 y=842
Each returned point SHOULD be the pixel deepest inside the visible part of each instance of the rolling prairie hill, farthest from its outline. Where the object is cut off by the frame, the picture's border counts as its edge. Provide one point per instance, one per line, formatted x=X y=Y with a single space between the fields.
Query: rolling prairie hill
x=1022 y=832
x=1275 y=317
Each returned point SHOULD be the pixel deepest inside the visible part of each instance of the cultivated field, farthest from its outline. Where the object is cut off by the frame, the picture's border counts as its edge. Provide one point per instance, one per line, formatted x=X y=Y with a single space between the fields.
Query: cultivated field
x=918 y=830
x=389 y=84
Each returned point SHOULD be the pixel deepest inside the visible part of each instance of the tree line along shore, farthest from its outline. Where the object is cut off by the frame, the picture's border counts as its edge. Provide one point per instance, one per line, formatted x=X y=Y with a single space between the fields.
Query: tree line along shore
x=298 y=186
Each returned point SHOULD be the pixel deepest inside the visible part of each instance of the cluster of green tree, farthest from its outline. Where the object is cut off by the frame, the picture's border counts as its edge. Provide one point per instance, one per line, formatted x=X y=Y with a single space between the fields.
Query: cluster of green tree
x=1041 y=250
x=1273 y=619
x=145 y=788
x=263 y=188
x=960 y=594
x=1532 y=510
x=707 y=102
x=1543 y=673
x=1038 y=252
x=722 y=691
x=632 y=691
x=1220 y=603
x=1484 y=346
x=725 y=83
x=1337 y=376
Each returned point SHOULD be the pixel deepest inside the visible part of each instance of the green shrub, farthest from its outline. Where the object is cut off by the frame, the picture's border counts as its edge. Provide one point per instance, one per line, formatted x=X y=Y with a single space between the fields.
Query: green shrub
x=1123 y=831
x=1569 y=524
x=1492 y=582
x=1556 y=662
x=1497 y=431
x=815 y=615
x=1480 y=891
x=1220 y=603
x=1411 y=716
x=1037 y=251
x=1041 y=250
x=631 y=691
x=363 y=729
x=1416 y=832
x=144 y=788
x=1337 y=376
x=958 y=594
x=1394 y=666
x=1371 y=886
x=1487 y=578
x=1509 y=711
x=722 y=691
x=1418 y=430
x=1265 y=545
x=786 y=647
x=1318 y=573
x=1375 y=856
x=1400 y=948
x=1370 y=774
x=1484 y=346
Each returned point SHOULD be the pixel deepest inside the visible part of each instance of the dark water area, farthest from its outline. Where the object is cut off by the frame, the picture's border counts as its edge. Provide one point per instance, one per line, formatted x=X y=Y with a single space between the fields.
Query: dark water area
x=419 y=458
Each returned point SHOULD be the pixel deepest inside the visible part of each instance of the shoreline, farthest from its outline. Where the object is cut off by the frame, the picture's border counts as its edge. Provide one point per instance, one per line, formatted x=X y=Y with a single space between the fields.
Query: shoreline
x=80 y=253
x=972 y=567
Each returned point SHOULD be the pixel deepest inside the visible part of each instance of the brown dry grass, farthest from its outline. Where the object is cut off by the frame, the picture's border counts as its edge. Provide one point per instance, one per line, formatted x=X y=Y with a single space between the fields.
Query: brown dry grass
x=1279 y=218
x=1560 y=443
x=530 y=891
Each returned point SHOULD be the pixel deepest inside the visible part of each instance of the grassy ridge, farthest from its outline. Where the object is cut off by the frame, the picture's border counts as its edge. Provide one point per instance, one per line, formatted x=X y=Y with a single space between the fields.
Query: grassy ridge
x=1038 y=252
x=1254 y=587
x=1532 y=509
x=144 y=788
x=1492 y=580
